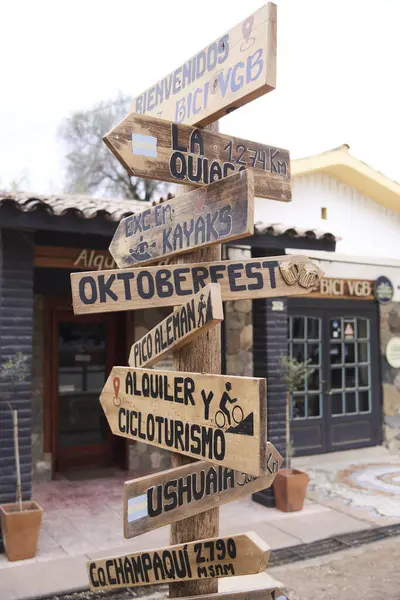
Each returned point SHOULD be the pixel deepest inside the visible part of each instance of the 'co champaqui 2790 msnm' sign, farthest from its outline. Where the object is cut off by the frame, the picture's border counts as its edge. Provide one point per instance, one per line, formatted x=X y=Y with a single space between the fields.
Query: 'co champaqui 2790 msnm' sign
x=235 y=69
x=131 y=289
x=217 y=418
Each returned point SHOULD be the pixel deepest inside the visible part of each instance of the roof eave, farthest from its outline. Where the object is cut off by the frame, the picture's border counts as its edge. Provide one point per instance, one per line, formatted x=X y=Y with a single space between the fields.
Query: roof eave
x=354 y=173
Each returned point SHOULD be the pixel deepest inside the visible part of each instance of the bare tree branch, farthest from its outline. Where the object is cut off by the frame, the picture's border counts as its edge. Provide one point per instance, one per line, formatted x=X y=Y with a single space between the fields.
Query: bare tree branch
x=90 y=167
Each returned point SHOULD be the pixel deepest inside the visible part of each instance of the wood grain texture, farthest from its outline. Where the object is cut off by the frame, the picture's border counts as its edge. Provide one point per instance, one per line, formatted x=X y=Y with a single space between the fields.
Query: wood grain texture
x=166 y=497
x=271 y=593
x=187 y=321
x=242 y=554
x=213 y=214
x=130 y=289
x=184 y=154
x=204 y=355
x=232 y=71
x=217 y=418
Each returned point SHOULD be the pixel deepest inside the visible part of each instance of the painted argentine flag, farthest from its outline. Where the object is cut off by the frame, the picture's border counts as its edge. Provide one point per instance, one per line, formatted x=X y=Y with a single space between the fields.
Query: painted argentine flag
x=144 y=145
x=137 y=508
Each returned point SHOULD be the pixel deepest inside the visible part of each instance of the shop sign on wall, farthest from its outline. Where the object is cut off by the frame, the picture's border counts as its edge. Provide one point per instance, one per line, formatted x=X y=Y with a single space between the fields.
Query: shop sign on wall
x=383 y=290
x=393 y=352
x=345 y=288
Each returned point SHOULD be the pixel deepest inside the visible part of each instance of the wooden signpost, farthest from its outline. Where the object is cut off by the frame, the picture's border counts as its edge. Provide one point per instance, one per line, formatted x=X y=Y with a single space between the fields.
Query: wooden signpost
x=235 y=69
x=153 y=148
x=131 y=289
x=166 y=497
x=194 y=411
x=186 y=322
x=241 y=554
x=217 y=418
x=212 y=214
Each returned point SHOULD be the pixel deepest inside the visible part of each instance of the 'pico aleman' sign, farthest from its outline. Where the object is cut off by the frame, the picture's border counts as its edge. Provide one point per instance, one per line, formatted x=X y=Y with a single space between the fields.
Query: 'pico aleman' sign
x=186 y=322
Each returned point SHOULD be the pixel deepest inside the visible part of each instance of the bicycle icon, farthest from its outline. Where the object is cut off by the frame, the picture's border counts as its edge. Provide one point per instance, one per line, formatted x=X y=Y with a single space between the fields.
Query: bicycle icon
x=223 y=416
x=237 y=416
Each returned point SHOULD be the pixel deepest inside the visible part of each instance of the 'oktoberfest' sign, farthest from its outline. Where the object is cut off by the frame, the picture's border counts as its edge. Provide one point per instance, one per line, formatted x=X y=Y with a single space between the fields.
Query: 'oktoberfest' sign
x=130 y=289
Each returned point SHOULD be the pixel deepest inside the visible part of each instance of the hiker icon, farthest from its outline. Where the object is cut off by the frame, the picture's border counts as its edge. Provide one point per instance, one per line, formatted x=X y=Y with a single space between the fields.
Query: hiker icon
x=222 y=416
x=201 y=312
x=141 y=251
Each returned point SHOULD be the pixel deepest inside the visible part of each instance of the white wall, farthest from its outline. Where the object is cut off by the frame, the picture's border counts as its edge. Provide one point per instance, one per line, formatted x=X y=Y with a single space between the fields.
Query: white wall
x=366 y=227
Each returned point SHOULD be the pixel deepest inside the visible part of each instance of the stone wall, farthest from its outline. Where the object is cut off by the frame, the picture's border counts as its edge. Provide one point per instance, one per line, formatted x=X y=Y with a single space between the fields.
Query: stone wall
x=389 y=328
x=238 y=326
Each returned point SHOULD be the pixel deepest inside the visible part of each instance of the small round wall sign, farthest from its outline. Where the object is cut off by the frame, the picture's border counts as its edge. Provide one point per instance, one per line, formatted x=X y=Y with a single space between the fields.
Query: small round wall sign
x=393 y=352
x=383 y=290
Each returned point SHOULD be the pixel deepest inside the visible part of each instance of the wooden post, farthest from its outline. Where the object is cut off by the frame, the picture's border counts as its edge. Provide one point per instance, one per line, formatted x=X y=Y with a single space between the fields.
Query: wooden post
x=203 y=355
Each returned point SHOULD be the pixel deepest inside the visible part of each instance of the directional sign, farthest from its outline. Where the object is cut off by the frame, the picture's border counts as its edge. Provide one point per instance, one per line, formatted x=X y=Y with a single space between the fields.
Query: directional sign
x=130 y=289
x=243 y=554
x=215 y=213
x=235 y=69
x=252 y=594
x=157 y=149
x=166 y=497
x=193 y=317
x=216 y=418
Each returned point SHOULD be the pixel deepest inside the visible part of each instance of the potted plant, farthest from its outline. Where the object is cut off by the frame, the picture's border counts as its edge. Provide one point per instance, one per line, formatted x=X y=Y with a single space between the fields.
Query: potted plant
x=20 y=521
x=290 y=485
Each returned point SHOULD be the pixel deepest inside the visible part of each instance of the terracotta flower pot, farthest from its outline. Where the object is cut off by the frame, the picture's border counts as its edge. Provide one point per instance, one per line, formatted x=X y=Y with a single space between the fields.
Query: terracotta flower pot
x=290 y=488
x=20 y=529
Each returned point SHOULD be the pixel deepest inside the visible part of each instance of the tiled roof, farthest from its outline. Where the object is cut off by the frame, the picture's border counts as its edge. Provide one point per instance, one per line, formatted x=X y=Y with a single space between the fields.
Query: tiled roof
x=274 y=229
x=87 y=207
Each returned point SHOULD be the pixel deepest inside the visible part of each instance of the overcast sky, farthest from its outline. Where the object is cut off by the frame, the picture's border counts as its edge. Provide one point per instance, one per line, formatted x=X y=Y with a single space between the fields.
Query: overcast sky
x=338 y=73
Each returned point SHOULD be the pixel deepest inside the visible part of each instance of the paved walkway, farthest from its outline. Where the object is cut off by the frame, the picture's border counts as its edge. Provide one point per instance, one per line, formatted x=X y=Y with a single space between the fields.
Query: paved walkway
x=83 y=519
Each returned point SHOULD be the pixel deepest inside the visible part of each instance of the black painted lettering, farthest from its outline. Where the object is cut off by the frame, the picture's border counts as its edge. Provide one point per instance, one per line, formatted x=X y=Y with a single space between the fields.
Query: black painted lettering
x=257 y=275
x=271 y=265
x=235 y=271
x=88 y=280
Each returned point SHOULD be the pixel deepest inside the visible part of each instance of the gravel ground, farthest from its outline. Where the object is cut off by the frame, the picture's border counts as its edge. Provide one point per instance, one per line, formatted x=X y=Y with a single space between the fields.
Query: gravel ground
x=371 y=572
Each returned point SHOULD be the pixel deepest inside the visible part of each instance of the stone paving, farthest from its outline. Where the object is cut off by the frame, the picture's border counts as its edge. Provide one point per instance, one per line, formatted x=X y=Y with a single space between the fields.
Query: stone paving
x=83 y=519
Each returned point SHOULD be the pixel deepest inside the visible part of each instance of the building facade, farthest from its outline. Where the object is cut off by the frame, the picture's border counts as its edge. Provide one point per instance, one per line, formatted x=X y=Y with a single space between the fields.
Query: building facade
x=352 y=398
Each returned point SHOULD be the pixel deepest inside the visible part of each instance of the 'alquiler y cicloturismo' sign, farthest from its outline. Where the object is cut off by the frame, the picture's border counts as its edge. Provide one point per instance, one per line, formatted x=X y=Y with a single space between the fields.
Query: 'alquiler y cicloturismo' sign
x=217 y=418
